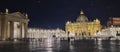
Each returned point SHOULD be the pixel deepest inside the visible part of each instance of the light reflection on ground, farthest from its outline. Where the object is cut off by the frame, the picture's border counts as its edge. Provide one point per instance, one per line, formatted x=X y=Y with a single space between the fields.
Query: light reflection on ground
x=54 y=45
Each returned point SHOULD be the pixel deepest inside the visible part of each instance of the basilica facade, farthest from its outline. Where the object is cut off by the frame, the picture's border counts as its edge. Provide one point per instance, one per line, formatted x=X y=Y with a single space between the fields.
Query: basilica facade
x=82 y=26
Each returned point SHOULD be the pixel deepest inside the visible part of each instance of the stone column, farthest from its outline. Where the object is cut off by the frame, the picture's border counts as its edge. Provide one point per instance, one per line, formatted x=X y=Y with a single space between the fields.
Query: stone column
x=20 y=30
x=4 y=33
x=8 y=29
x=11 y=30
x=26 y=28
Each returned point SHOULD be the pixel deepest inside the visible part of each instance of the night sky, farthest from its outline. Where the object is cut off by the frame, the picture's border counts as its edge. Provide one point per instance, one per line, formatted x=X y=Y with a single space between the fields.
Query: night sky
x=54 y=13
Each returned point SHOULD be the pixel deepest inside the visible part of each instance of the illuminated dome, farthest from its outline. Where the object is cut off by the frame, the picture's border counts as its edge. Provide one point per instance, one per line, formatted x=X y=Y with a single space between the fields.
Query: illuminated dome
x=82 y=17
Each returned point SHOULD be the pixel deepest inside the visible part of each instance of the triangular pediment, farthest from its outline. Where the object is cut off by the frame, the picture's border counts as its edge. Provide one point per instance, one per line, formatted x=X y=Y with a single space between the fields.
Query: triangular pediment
x=16 y=15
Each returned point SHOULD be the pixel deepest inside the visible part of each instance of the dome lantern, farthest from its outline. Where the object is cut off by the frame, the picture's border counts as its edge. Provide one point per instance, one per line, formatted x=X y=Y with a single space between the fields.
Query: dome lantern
x=82 y=17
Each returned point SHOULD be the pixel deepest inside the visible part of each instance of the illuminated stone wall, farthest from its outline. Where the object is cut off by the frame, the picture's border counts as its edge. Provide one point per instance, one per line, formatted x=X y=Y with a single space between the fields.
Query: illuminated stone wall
x=83 y=27
x=115 y=21
x=108 y=32
x=12 y=24
x=45 y=33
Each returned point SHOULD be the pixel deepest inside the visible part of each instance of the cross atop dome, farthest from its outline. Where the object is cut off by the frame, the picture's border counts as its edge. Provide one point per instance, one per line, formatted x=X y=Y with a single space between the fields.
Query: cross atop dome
x=81 y=12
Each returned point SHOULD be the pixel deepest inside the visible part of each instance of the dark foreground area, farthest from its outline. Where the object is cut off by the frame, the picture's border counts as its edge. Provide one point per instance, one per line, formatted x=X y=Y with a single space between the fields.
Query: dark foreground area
x=53 y=45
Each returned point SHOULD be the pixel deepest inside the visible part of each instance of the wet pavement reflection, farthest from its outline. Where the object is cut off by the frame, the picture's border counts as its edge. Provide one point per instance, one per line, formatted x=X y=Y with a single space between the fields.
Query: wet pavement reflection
x=54 y=45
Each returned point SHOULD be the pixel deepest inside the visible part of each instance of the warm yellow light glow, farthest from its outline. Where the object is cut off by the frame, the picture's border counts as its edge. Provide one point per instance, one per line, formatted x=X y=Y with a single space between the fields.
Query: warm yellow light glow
x=82 y=26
